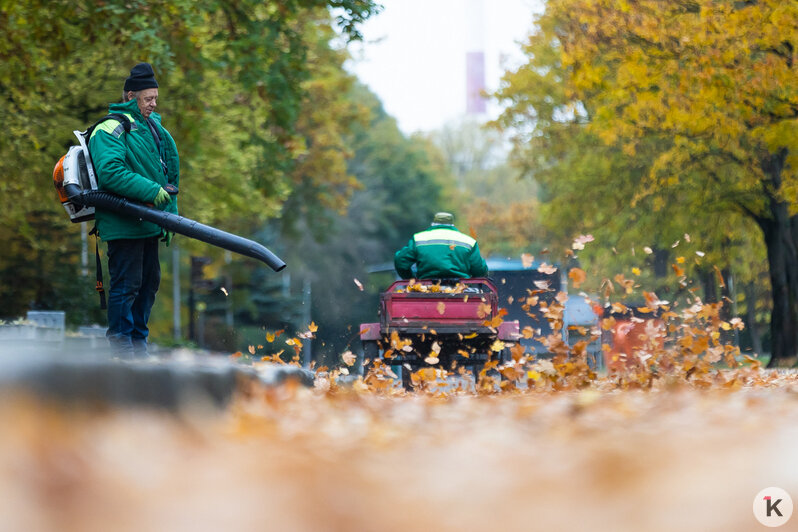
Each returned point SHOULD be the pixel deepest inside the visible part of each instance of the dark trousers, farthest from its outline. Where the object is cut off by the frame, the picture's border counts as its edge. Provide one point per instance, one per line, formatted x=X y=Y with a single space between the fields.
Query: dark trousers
x=135 y=275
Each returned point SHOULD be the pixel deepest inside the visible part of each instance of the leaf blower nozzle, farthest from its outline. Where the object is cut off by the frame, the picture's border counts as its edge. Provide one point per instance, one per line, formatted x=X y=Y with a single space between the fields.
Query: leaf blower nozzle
x=172 y=222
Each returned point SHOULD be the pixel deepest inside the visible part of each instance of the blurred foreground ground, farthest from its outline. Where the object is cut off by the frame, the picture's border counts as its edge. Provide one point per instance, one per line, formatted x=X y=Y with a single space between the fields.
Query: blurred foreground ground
x=292 y=458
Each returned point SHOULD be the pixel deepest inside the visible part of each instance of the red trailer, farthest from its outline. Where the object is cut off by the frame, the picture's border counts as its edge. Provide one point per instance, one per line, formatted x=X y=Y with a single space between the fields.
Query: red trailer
x=439 y=323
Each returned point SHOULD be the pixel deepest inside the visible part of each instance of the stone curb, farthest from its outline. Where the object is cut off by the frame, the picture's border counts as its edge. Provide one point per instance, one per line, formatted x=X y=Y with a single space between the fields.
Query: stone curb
x=169 y=383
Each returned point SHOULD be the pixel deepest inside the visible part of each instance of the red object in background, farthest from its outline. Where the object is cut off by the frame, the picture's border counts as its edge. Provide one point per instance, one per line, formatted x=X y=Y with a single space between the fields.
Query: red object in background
x=628 y=337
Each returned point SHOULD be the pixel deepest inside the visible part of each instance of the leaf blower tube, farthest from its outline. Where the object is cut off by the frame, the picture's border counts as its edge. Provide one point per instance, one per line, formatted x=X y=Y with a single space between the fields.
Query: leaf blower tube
x=172 y=222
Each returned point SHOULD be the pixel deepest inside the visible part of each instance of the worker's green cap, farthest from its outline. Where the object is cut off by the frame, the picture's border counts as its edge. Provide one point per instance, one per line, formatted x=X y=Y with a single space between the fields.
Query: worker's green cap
x=443 y=218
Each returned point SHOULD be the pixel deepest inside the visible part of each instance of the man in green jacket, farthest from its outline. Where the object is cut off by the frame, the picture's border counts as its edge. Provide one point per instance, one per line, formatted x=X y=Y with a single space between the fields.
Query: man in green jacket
x=136 y=163
x=440 y=252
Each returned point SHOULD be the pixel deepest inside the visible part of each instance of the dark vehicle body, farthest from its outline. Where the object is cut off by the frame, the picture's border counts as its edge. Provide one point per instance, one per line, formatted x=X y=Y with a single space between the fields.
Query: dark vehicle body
x=516 y=283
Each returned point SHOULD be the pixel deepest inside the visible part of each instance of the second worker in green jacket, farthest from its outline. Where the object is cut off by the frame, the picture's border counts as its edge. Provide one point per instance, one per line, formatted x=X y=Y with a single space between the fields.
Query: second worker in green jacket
x=440 y=252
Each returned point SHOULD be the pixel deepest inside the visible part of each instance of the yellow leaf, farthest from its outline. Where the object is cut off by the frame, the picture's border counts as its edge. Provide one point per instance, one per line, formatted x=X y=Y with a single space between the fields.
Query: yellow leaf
x=296 y=342
x=441 y=307
x=636 y=270
x=497 y=346
x=313 y=327
x=680 y=260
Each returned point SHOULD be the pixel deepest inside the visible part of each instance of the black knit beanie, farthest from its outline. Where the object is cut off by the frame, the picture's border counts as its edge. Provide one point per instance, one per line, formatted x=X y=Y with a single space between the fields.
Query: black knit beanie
x=141 y=77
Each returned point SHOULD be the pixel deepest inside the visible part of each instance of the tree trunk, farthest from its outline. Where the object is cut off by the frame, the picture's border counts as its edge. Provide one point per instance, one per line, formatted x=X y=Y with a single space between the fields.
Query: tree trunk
x=709 y=282
x=661 y=259
x=750 y=304
x=781 y=241
x=784 y=315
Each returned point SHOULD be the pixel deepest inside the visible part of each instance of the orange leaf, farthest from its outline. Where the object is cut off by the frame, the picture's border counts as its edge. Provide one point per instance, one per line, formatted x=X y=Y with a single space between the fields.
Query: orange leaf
x=719 y=276
x=517 y=352
x=578 y=276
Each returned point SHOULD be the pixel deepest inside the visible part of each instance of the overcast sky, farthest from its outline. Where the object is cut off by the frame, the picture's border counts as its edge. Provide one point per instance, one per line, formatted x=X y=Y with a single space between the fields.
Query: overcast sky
x=414 y=54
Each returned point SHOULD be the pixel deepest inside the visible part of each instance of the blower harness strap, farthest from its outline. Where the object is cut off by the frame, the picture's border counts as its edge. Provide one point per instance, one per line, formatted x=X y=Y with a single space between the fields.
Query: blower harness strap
x=99 y=287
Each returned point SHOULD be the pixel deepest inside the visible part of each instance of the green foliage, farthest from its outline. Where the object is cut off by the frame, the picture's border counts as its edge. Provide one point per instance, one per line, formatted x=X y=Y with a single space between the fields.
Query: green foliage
x=398 y=195
x=492 y=199
x=330 y=245
x=650 y=120
x=236 y=85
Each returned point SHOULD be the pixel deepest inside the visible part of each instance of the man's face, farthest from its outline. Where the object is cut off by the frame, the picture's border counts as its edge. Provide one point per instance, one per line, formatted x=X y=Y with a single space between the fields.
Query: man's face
x=147 y=100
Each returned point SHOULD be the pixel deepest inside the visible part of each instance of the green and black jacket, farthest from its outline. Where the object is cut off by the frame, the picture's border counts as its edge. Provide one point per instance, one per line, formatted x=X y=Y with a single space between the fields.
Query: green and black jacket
x=129 y=164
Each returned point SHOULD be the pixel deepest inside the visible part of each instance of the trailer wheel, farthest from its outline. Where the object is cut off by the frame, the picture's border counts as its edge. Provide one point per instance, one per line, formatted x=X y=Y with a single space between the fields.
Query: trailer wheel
x=475 y=369
x=371 y=351
x=506 y=355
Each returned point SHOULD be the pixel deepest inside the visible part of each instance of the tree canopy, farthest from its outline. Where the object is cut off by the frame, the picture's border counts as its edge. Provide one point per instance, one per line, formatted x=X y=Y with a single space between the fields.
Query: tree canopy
x=239 y=91
x=658 y=118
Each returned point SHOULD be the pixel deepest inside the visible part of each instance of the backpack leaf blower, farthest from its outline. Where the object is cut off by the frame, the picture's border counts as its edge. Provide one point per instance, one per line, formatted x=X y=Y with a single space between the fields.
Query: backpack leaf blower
x=76 y=183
